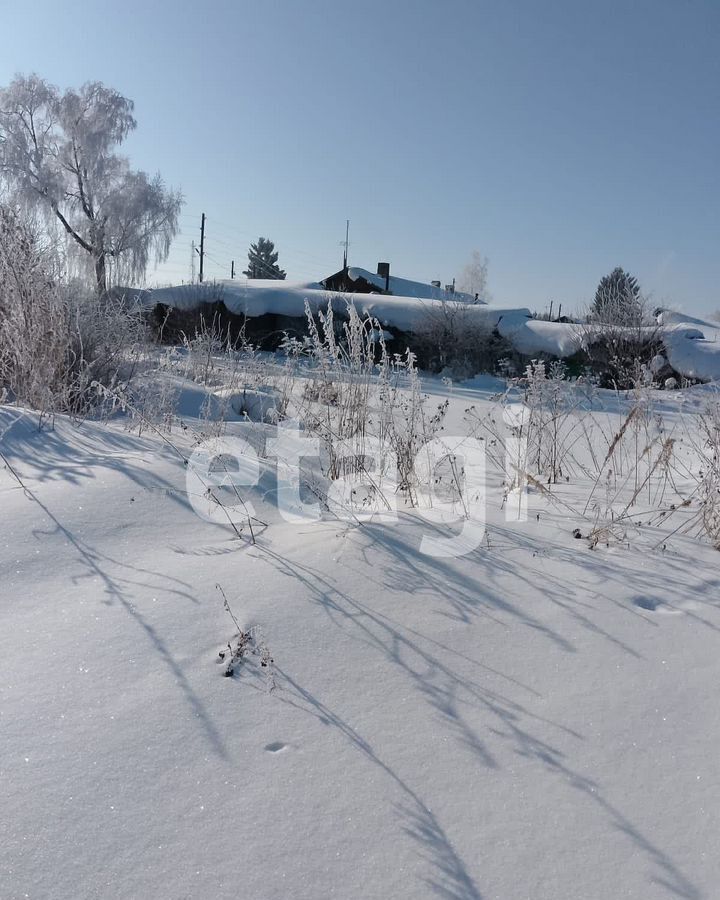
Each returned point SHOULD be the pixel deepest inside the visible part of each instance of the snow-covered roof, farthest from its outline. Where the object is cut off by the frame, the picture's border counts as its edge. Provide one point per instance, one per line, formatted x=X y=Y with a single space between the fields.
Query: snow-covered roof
x=258 y=297
x=404 y=287
x=692 y=346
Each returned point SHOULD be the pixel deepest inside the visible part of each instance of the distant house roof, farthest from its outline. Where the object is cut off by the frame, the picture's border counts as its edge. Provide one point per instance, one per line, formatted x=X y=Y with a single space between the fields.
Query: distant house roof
x=365 y=281
x=257 y=297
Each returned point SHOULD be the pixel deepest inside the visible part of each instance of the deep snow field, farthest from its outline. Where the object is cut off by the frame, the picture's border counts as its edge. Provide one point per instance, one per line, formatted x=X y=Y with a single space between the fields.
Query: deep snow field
x=535 y=720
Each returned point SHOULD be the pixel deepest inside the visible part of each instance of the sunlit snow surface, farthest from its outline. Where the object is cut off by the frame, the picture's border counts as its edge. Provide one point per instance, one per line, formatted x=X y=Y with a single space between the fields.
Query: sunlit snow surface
x=534 y=720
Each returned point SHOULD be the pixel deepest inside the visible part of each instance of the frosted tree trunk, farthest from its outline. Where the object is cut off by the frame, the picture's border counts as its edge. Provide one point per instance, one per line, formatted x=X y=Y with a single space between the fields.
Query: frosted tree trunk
x=100 y=275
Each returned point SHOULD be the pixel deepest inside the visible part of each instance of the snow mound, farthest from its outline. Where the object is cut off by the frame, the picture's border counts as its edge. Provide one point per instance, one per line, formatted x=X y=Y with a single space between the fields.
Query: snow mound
x=257 y=297
x=530 y=336
x=691 y=350
x=692 y=346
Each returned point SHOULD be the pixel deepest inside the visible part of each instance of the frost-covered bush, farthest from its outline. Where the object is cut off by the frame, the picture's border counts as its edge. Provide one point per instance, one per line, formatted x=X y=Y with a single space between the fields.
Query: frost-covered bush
x=56 y=339
x=447 y=340
x=622 y=350
x=34 y=319
x=534 y=433
x=358 y=398
x=550 y=425
x=708 y=478
x=337 y=398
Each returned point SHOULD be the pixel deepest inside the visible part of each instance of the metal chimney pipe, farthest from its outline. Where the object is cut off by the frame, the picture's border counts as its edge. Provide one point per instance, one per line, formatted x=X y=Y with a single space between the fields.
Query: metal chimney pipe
x=383 y=270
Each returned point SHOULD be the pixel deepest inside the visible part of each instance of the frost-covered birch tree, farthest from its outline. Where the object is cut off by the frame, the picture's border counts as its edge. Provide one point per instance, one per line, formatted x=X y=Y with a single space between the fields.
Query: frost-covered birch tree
x=58 y=151
x=474 y=277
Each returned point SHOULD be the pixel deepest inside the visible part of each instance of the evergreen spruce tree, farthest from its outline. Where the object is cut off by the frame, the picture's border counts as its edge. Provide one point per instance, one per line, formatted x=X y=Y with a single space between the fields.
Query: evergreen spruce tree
x=262 y=261
x=617 y=299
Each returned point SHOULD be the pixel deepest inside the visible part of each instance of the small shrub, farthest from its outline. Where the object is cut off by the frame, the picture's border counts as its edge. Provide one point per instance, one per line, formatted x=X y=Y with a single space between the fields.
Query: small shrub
x=56 y=340
x=246 y=643
x=450 y=340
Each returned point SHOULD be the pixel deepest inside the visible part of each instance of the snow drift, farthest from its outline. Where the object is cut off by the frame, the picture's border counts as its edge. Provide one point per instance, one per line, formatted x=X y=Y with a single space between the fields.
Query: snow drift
x=692 y=345
x=258 y=297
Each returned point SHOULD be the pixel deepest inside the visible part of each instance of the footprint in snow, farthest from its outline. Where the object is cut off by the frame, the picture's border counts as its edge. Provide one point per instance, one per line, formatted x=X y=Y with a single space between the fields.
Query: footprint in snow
x=651 y=604
x=648 y=603
x=275 y=747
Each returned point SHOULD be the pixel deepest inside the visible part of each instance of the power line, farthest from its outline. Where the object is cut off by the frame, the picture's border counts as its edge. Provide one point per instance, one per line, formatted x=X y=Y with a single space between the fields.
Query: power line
x=230 y=248
x=266 y=265
x=223 y=235
x=247 y=234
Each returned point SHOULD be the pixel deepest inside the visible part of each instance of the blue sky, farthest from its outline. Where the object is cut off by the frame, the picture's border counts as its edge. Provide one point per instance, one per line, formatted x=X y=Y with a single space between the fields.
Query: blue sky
x=559 y=138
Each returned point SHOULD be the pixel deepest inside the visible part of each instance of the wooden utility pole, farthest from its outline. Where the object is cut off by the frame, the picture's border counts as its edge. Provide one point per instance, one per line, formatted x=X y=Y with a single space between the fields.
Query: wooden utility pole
x=346 y=243
x=202 y=245
x=232 y=269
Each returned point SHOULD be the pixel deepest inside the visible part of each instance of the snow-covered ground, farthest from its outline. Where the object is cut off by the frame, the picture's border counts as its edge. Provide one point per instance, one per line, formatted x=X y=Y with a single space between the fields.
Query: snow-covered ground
x=533 y=720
